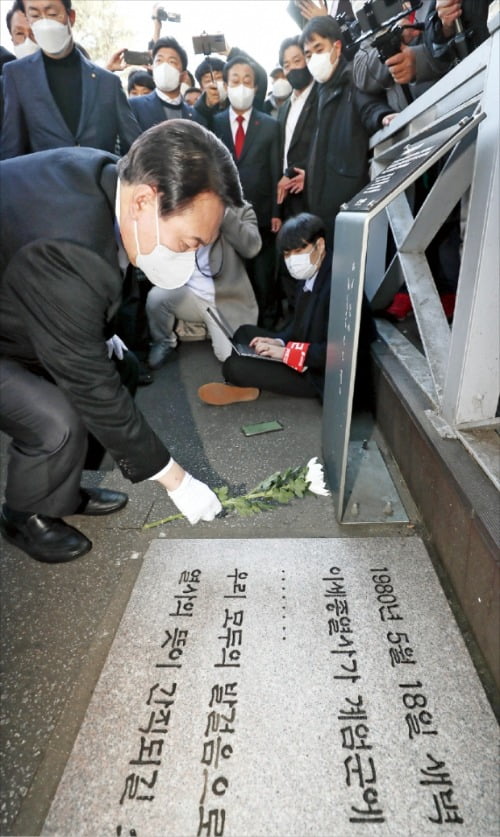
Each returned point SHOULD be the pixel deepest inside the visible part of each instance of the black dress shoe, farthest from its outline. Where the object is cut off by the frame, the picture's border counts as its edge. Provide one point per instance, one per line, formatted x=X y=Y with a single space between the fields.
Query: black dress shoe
x=98 y=501
x=145 y=377
x=46 y=539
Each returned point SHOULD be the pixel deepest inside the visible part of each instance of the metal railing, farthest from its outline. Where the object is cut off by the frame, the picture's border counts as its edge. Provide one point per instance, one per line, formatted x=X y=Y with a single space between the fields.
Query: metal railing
x=462 y=360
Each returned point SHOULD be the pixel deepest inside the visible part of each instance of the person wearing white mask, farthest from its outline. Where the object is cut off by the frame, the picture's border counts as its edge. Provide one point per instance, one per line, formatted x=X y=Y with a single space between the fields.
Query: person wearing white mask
x=337 y=163
x=280 y=92
x=56 y=98
x=253 y=139
x=166 y=101
x=21 y=35
x=210 y=78
x=300 y=348
x=75 y=216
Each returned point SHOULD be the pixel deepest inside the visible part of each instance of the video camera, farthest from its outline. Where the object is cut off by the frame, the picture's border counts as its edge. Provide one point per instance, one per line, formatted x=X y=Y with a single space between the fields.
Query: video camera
x=378 y=19
x=163 y=15
x=350 y=31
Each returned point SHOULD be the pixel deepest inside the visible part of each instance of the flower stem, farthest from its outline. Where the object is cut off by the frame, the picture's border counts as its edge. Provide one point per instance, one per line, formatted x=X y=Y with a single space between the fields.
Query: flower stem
x=164 y=520
x=226 y=504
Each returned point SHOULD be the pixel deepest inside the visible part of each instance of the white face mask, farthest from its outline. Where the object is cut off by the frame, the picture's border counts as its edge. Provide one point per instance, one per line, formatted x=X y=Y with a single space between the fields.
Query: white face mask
x=221 y=87
x=52 y=36
x=281 y=88
x=184 y=87
x=166 y=77
x=241 y=97
x=28 y=47
x=320 y=67
x=299 y=265
x=165 y=267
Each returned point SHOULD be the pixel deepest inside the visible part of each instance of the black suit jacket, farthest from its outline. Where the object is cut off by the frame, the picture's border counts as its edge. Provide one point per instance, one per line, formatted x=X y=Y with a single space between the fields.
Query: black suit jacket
x=60 y=284
x=259 y=166
x=298 y=149
x=310 y=321
x=310 y=325
x=33 y=122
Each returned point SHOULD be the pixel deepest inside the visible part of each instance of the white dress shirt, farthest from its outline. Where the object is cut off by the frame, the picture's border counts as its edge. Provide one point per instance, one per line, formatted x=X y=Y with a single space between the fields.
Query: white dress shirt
x=297 y=102
x=201 y=281
x=235 y=125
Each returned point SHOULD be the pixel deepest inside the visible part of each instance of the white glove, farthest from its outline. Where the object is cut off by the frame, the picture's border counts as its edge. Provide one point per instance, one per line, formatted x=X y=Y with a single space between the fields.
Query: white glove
x=115 y=344
x=195 y=500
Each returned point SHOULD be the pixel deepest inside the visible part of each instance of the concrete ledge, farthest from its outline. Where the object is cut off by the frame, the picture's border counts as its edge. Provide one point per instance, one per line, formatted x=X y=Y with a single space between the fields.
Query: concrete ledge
x=458 y=503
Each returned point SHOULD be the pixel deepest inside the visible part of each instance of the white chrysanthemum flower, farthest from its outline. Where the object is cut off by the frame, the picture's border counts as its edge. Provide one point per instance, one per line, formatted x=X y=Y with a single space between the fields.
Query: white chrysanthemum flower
x=315 y=477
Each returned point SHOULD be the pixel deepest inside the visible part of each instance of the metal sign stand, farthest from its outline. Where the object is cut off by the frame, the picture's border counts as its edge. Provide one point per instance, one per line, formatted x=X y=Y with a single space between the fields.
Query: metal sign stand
x=352 y=473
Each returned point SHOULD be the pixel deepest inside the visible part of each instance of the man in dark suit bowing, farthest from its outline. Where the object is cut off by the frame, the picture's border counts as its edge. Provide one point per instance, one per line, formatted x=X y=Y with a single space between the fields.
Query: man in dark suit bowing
x=56 y=98
x=72 y=212
x=252 y=137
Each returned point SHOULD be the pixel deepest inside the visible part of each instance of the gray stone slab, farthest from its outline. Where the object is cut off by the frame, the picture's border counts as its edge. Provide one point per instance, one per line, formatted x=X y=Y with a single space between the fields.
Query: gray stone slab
x=324 y=691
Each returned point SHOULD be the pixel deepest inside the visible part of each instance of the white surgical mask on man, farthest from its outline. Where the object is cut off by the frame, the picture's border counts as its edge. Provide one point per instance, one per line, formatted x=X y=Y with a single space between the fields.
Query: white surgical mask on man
x=164 y=267
x=166 y=77
x=320 y=66
x=51 y=35
x=241 y=97
x=28 y=47
x=299 y=265
x=281 y=88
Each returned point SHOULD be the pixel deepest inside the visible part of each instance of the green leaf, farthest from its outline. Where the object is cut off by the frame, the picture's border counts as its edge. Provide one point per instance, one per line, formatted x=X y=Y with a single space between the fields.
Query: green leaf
x=222 y=492
x=266 y=484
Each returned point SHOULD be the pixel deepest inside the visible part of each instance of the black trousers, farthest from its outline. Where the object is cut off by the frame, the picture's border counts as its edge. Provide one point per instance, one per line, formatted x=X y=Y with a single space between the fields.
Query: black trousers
x=262 y=272
x=265 y=374
x=50 y=445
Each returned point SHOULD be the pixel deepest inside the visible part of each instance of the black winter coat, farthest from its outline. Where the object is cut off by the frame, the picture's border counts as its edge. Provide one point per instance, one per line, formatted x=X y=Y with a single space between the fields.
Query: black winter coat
x=337 y=167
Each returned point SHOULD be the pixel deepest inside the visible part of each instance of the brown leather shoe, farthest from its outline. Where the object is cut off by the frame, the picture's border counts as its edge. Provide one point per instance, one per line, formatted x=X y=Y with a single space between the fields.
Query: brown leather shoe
x=220 y=394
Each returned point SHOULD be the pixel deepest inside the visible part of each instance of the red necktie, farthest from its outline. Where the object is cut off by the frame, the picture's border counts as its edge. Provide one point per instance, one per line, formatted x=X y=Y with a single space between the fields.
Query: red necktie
x=239 y=139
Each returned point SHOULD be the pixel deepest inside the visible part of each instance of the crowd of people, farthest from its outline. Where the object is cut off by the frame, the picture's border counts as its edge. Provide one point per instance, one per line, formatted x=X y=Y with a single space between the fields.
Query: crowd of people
x=197 y=205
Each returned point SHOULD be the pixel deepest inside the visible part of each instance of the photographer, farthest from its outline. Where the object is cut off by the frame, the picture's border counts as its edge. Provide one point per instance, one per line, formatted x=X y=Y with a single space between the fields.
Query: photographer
x=454 y=28
x=403 y=76
x=209 y=75
x=158 y=17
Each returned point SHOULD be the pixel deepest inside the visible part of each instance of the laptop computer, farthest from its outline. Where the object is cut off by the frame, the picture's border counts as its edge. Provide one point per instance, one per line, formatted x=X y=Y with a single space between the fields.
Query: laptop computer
x=240 y=348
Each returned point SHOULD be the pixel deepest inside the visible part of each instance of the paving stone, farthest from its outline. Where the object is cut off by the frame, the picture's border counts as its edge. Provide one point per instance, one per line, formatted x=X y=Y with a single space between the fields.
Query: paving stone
x=324 y=690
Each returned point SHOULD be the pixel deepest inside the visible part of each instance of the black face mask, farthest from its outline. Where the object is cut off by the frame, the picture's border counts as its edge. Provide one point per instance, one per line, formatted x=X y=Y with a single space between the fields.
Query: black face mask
x=299 y=79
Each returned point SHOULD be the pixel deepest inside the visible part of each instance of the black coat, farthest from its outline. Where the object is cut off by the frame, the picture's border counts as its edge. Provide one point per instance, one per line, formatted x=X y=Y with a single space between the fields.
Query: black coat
x=310 y=321
x=259 y=166
x=60 y=286
x=337 y=167
x=474 y=21
x=298 y=150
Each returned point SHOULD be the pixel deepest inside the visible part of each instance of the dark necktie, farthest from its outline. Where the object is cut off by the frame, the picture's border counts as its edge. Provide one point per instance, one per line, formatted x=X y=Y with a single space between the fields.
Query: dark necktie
x=239 y=139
